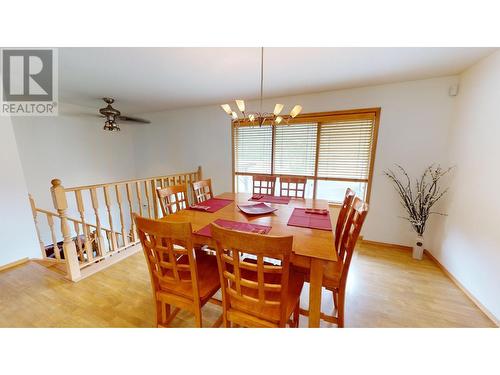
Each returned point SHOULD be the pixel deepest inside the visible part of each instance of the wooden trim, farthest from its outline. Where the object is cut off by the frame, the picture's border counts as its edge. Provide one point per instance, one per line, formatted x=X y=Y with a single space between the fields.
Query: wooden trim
x=14 y=264
x=474 y=300
x=319 y=118
x=373 y=154
x=348 y=114
x=318 y=137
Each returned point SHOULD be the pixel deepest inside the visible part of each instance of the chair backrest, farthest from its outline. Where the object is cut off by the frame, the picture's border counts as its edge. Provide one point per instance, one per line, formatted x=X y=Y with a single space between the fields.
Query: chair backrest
x=172 y=198
x=353 y=226
x=202 y=190
x=294 y=187
x=263 y=184
x=238 y=276
x=169 y=266
x=343 y=214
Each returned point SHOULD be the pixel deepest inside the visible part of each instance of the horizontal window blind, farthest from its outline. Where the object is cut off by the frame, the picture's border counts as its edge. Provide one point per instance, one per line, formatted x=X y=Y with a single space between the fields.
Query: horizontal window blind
x=253 y=149
x=295 y=149
x=345 y=149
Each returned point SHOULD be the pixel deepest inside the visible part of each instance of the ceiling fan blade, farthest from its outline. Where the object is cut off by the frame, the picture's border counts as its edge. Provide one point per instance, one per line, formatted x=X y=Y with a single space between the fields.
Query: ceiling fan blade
x=134 y=119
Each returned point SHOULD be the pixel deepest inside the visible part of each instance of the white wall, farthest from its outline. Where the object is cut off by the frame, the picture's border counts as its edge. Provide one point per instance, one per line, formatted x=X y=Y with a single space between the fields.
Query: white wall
x=74 y=148
x=469 y=245
x=413 y=132
x=17 y=231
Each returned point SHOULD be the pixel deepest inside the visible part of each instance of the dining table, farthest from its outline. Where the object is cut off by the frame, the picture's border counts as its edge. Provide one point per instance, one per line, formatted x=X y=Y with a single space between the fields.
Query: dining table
x=313 y=249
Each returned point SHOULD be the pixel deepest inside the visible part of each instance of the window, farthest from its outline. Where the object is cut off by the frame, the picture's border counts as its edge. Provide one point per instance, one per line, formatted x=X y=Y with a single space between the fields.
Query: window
x=334 y=150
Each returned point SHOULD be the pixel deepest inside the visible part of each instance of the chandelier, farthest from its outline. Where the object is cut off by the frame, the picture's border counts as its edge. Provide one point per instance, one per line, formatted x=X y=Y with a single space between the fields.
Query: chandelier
x=261 y=118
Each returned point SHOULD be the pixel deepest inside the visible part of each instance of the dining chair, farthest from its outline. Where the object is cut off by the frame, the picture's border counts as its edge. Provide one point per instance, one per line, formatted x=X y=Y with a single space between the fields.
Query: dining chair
x=294 y=187
x=263 y=184
x=255 y=292
x=180 y=276
x=335 y=273
x=202 y=190
x=172 y=198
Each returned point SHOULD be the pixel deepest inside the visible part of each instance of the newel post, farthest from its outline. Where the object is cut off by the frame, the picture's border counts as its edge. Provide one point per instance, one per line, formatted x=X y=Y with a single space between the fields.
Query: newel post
x=69 y=247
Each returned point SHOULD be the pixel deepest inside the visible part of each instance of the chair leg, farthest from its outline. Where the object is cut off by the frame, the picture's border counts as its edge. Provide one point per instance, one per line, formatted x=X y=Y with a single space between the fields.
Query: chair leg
x=340 y=309
x=335 y=298
x=296 y=315
x=197 y=316
x=159 y=314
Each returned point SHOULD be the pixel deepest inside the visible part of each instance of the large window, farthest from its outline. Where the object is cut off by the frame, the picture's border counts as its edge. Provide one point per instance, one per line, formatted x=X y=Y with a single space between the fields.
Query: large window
x=333 y=150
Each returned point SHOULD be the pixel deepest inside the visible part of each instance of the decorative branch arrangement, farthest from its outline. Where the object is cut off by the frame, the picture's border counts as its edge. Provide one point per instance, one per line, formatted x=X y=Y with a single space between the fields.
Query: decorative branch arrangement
x=419 y=200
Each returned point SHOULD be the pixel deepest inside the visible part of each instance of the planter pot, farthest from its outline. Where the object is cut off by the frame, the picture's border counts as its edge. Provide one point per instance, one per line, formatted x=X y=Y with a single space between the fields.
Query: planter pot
x=418 y=248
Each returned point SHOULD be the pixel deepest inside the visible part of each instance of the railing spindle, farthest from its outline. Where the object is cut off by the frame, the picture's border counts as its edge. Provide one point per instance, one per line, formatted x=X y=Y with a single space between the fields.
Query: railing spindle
x=50 y=222
x=131 y=210
x=112 y=234
x=139 y=199
x=86 y=237
x=95 y=206
x=122 y=222
x=146 y=191
x=37 y=228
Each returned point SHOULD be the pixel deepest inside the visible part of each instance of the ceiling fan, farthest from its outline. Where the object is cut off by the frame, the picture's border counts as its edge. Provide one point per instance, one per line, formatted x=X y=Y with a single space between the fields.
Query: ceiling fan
x=112 y=115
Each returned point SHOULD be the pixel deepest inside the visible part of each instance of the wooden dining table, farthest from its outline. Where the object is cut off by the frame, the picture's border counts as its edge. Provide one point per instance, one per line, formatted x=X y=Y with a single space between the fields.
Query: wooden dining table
x=313 y=249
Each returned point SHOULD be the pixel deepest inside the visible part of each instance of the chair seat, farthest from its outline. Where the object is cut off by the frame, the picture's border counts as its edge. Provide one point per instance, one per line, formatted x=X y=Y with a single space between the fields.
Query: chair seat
x=269 y=313
x=331 y=274
x=208 y=278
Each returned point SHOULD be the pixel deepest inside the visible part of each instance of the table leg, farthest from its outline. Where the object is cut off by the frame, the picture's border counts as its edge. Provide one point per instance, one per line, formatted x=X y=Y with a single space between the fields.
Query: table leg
x=315 y=285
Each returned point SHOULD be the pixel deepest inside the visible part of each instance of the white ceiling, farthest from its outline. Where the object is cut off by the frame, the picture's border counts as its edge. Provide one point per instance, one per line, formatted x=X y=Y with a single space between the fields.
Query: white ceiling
x=155 y=79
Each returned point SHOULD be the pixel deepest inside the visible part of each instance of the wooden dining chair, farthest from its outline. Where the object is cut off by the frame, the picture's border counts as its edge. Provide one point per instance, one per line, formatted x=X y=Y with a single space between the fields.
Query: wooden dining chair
x=294 y=187
x=180 y=276
x=257 y=293
x=335 y=273
x=202 y=190
x=263 y=184
x=343 y=214
x=172 y=198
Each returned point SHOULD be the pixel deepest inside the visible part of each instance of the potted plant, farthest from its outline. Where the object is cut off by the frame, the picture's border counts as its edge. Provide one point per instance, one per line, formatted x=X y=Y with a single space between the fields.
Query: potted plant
x=419 y=199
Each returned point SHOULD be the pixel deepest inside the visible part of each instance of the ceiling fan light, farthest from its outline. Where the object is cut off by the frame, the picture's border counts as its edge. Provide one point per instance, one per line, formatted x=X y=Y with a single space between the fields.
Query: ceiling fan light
x=111 y=126
x=241 y=105
x=277 y=109
x=278 y=119
x=234 y=115
x=295 y=111
x=227 y=109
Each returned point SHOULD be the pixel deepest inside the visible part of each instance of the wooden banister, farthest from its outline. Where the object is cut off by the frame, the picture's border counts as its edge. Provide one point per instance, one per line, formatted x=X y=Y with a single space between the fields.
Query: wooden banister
x=96 y=221
x=69 y=248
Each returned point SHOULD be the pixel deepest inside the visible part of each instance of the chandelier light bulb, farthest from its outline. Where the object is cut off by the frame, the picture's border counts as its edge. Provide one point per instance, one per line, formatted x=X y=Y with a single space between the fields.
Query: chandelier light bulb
x=227 y=109
x=277 y=109
x=295 y=111
x=241 y=105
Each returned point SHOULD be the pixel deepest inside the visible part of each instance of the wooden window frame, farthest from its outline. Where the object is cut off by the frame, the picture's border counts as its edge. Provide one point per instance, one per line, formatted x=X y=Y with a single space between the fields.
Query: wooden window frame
x=318 y=118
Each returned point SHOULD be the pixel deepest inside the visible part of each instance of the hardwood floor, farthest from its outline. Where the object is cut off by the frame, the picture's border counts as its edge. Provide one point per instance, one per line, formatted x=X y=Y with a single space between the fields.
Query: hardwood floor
x=386 y=288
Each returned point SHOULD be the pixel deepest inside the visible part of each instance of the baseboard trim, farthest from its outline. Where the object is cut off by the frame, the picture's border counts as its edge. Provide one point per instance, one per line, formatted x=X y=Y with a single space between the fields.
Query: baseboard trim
x=474 y=300
x=14 y=264
x=465 y=290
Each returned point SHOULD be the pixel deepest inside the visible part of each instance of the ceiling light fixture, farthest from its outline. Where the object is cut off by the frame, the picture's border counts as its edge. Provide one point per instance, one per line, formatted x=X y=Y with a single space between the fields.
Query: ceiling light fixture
x=261 y=118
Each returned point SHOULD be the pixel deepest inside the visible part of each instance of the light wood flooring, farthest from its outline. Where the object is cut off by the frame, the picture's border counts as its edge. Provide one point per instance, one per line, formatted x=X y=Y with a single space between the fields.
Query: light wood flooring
x=386 y=288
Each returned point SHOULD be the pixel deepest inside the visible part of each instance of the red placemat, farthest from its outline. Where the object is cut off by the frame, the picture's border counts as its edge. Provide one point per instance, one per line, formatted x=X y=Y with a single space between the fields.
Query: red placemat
x=213 y=204
x=235 y=225
x=300 y=218
x=269 y=199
